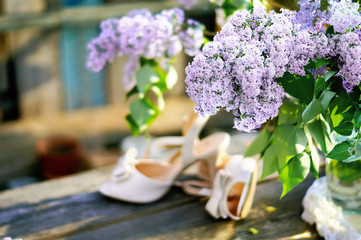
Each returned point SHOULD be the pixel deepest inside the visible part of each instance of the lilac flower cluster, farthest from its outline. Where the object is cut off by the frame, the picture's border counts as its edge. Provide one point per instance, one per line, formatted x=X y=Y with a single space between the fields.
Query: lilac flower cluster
x=344 y=44
x=238 y=70
x=348 y=51
x=344 y=15
x=141 y=34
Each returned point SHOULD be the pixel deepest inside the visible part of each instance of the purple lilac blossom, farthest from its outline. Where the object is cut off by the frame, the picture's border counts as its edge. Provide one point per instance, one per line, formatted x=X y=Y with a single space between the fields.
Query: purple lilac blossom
x=307 y=14
x=141 y=34
x=238 y=70
x=348 y=49
x=103 y=48
x=188 y=4
x=130 y=68
x=344 y=15
x=192 y=37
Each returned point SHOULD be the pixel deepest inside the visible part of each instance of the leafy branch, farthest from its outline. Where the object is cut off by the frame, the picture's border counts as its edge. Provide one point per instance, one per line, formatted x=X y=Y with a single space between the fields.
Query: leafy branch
x=319 y=108
x=148 y=102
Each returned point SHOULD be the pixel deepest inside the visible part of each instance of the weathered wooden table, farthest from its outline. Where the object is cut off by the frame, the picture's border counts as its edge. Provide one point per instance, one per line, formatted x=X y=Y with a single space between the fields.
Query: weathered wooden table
x=72 y=208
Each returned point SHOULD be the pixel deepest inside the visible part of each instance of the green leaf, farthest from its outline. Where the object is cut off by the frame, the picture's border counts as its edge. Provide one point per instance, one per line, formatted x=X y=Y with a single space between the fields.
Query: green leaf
x=321 y=62
x=258 y=145
x=339 y=152
x=310 y=65
x=325 y=98
x=290 y=112
x=335 y=118
x=300 y=87
x=289 y=141
x=329 y=75
x=312 y=110
x=160 y=99
x=319 y=86
x=270 y=164
x=344 y=128
x=294 y=172
x=162 y=83
x=254 y=231
x=132 y=125
x=341 y=104
x=228 y=7
x=330 y=30
x=357 y=116
x=143 y=112
x=320 y=131
x=133 y=91
x=172 y=77
x=357 y=154
x=315 y=157
x=145 y=77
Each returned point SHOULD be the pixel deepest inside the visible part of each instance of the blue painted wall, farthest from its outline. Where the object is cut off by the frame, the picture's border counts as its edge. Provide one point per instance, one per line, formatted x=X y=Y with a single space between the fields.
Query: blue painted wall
x=82 y=88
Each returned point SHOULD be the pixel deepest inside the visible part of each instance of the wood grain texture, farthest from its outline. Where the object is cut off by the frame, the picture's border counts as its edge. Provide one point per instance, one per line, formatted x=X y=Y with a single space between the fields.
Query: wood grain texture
x=71 y=208
x=81 y=15
x=36 y=59
x=101 y=120
x=190 y=221
x=17 y=156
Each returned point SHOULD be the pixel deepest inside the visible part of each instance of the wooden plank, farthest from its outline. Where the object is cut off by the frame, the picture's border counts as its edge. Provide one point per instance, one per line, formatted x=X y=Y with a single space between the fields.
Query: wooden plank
x=78 y=213
x=17 y=156
x=71 y=208
x=80 y=15
x=36 y=63
x=190 y=221
x=101 y=120
x=75 y=203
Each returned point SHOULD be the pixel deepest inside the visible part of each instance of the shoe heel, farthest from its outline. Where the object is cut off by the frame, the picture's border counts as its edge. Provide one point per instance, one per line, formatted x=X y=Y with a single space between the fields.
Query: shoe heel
x=216 y=158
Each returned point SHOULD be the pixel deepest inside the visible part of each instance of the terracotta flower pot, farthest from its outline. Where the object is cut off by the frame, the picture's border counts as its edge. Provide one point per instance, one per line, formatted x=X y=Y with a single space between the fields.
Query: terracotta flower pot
x=59 y=155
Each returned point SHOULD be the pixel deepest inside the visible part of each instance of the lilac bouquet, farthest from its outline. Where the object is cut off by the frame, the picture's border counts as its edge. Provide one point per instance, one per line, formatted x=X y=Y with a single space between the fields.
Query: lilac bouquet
x=302 y=70
x=151 y=42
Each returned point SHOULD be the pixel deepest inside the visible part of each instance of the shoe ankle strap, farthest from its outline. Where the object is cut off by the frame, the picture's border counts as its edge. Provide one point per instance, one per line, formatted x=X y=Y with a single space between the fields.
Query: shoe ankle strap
x=191 y=139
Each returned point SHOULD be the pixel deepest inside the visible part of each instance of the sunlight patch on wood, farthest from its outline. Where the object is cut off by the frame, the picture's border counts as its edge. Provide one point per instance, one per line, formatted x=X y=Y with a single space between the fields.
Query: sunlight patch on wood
x=305 y=235
x=4 y=230
x=218 y=230
x=61 y=231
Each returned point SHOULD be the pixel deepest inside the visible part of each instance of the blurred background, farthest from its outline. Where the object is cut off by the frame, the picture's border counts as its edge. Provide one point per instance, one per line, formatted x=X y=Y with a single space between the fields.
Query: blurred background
x=49 y=100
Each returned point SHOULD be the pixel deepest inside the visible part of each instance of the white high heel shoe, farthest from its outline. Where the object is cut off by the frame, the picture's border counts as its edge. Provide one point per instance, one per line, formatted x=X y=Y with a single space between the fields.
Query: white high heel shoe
x=147 y=180
x=233 y=188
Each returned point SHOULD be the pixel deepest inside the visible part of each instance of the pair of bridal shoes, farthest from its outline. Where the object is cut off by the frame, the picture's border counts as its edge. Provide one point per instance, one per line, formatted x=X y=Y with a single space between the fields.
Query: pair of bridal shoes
x=228 y=181
x=146 y=180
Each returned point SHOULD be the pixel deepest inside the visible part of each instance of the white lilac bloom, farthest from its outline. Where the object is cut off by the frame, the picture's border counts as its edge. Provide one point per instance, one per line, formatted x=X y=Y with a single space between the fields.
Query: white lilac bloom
x=344 y=15
x=142 y=34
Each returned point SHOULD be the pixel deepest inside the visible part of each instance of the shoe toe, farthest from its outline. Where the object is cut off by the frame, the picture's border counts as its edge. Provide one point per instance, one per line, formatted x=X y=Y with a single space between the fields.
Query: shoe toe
x=105 y=189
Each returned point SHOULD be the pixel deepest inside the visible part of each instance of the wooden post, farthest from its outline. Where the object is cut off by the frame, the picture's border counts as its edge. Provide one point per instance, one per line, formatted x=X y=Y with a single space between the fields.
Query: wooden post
x=36 y=60
x=9 y=109
x=116 y=93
